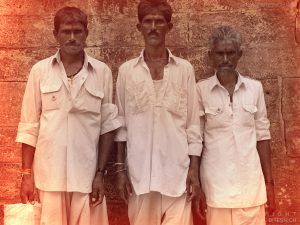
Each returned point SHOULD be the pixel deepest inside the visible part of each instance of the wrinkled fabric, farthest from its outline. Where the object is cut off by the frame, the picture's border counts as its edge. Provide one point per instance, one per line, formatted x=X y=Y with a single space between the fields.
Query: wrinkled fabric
x=230 y=170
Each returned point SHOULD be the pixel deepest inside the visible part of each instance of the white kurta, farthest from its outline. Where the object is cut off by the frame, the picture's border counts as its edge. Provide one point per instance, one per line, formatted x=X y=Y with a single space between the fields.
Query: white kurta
x=161 y=130
x=231 y=173
x=65 y=127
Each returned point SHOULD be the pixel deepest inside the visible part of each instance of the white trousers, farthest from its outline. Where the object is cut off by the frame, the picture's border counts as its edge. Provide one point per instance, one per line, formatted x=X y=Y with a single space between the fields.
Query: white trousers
x=70 y=208
x=240 y=216
x=156 y=209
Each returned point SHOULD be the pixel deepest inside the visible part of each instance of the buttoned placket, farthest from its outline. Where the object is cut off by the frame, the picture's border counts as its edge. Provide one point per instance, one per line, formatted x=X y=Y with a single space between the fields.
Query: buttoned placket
x=157 y=106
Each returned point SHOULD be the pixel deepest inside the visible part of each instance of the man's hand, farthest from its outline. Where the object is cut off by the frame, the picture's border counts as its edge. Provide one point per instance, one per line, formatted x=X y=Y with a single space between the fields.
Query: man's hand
x=27 y=192
x=97 y=195
x=195 y=193
x=271 y=206
x=124 y=186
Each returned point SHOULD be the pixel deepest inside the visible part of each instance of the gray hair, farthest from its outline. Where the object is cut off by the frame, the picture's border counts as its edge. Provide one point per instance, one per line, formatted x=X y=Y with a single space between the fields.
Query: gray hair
x=225 y=33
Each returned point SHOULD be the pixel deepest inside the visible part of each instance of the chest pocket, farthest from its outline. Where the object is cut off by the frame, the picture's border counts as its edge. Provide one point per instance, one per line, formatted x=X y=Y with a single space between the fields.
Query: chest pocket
x=51 y=96
x=216 y=117
x=176 y=99
x=139 y=97
x=91 y=99
x=247 y=114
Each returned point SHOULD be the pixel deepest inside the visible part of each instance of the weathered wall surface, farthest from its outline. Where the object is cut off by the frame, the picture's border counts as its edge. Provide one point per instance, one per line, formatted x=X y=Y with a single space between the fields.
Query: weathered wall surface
x=271 y=54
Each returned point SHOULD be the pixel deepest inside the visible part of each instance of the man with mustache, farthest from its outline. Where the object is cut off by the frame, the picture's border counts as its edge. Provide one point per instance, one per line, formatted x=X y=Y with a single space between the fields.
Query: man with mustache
x=67 y=128
x=159 y=143
x=235 y=166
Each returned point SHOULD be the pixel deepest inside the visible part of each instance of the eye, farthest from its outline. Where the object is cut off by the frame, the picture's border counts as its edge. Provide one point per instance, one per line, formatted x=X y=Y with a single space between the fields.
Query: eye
x=231 y=53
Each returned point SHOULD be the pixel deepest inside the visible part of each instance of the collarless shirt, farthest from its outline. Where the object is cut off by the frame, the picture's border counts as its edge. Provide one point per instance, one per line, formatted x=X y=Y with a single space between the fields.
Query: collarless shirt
x=64 y=123
x=161 y=129
x=231 y=173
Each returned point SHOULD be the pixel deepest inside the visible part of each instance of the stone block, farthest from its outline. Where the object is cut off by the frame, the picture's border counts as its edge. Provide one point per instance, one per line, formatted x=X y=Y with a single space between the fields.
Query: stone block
x=291 y=98
x=9 y=149
x=17 y=63
x=256 y=27
x=11 y=95
x=36 y=7
x=230 y=5
x=292 y=136
x=9 y=176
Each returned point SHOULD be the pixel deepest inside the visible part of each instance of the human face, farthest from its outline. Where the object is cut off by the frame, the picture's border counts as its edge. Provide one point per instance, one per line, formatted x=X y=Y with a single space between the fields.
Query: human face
x=154 y=28
x=225 y=56
x=71 y=38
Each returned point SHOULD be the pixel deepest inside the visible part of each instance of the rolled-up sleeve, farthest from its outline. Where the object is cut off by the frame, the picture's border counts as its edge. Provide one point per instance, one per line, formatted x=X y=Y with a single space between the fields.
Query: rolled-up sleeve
x=262 y=123
x=120 y=101
x=193 y=121
x=28 y=128
x=109 y=111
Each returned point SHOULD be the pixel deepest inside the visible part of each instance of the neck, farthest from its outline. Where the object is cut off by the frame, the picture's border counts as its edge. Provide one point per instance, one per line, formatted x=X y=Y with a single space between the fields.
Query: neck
x=227 y=77
x=70 y=59
x=159 y=52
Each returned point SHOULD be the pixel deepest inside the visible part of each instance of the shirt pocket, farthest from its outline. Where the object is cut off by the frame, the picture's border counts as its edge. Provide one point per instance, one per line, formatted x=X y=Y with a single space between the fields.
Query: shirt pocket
x=247 y=114
x=175 y=99
x=92 y=99
x=215 y=117
x=139 y=97
x=51 y=96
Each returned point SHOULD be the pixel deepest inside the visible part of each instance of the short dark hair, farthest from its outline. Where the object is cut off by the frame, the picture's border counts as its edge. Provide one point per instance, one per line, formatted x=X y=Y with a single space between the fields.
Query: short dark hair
x=147 y=6
x=225 y=33
x=69 y=15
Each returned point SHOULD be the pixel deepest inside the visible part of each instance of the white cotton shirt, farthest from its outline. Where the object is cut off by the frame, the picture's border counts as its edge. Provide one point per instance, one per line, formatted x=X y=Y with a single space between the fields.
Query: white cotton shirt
x=161 y=129
x=64 y=123
x=230 y=170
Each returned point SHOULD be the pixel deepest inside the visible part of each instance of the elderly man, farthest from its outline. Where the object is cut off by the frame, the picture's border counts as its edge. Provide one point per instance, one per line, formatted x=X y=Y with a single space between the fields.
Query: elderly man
x=67 y=128
x=235 y=166
x=157 y=102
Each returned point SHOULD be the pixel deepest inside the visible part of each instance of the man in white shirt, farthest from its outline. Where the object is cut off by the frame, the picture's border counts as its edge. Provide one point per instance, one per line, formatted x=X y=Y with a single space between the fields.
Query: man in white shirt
x=235 y=166
x=158 y=106
x=67 y=129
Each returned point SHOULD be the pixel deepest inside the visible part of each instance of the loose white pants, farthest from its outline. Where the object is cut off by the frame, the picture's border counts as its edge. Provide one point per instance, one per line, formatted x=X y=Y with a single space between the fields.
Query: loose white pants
x=156 y=209
x=71 y=208
x=240 y=216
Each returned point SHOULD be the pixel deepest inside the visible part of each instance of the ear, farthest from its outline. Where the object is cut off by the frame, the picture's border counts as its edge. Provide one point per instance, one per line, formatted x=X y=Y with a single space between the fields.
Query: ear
x=170 y=25
x=138 y=26
x=209 y=53
x=240 y=53
x=55 y=33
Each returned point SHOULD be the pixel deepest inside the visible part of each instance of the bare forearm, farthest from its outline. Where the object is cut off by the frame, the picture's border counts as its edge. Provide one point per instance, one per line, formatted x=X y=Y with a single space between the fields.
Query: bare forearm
x=194 y=163
x=27 y=156
x=121 y=152
x=264 y=151
x=105 y=145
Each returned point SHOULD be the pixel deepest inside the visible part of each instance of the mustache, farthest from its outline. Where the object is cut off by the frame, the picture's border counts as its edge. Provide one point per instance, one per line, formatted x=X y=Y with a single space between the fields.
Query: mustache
x=71 y=43
x=153 y=33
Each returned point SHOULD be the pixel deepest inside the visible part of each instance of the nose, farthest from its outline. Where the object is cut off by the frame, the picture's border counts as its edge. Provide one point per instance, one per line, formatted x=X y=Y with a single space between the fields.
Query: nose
x=72 y=36
x=153 y=25
x=225 y=58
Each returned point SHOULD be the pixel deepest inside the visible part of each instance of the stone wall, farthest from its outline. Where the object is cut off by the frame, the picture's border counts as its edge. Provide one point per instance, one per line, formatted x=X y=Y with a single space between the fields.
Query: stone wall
x=271 y=54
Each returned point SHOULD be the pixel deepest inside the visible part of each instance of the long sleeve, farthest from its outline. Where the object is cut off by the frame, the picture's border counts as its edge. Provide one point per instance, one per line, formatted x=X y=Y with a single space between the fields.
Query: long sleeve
x=28 y=129
x=120 y=101
x=193 y=124
x=109 y=111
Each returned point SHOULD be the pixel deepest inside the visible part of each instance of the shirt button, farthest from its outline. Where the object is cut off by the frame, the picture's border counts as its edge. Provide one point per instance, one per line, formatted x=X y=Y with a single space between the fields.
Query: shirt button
x=53 y=98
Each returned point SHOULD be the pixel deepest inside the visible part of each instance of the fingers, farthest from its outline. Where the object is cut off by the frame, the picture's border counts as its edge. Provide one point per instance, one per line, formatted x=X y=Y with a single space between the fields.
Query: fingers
x=24 y=198
x=188 y=191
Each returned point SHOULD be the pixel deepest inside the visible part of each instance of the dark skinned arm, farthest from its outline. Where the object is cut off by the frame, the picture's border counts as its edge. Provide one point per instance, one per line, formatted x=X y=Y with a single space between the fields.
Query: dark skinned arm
x=123 y=185
x=264 y=151
x=27 y=184
x=105 y=146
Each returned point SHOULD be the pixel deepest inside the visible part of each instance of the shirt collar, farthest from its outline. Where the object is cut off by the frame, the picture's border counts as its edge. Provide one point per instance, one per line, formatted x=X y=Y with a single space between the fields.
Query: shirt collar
x=172 y=58
x=215 y=82
x=87 y=60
